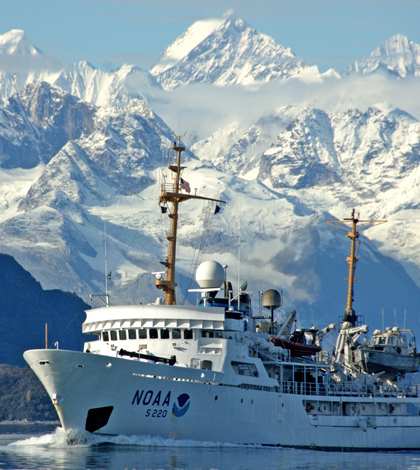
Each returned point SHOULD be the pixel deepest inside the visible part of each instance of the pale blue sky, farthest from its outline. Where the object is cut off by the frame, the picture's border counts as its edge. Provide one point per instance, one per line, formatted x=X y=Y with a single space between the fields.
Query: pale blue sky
x=330 y=33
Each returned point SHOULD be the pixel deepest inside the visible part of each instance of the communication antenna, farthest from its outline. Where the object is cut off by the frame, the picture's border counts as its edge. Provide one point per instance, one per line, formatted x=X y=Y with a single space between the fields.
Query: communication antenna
x=107 y=274
x=239 y=252
x=106 y=265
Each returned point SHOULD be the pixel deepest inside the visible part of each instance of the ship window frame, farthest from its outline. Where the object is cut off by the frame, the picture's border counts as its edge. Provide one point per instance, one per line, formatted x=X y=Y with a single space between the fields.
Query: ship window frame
x=153 y=333
x=113 y=335
x=245 y=369
x=188 y=334
x=122 y=335
x=132 y=331
x=142 y=333
x=178 y=333
x=105 y=336
x=164 y=333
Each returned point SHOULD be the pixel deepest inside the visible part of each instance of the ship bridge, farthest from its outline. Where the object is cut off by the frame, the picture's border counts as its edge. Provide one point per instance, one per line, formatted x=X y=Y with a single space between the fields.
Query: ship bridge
x=156 y=317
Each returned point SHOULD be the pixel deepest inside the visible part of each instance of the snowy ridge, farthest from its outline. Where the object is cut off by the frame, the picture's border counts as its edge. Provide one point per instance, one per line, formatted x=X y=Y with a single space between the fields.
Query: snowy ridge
x=16 y=43
x=115 y=154
x=398 y=56
x=102 y=88
x=188 y=41
x=224 y=52
x=22 y=63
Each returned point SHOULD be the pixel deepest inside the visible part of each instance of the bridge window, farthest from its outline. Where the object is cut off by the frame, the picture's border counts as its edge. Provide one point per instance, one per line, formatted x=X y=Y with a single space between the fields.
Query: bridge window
x=153 y=333
x=105 y=336
x=131 y=334
x=164 y=333
x=207 y=334
x=176 y=333
x=142 y=333
x=123 y=334
x=113 y=335
x=188 y=334
x=244 y=368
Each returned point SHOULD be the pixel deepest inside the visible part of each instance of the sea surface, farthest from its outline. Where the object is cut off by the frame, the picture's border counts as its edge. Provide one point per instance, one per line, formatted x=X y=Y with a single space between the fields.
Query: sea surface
x=47 y=446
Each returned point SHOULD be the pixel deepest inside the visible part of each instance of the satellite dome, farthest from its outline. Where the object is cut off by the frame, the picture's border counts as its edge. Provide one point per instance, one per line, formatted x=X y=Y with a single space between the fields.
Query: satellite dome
x=271 y=299
x=210 y=274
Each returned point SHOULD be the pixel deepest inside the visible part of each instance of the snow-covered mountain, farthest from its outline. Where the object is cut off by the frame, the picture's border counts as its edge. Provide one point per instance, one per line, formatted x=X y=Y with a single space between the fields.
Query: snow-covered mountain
x=78 y=156
x=366 y=152
x=83 y=149
x=224 y=51
x=15 y=43
x=22 y=63
x=333 y=162
x=398 y=56
x=115 y=88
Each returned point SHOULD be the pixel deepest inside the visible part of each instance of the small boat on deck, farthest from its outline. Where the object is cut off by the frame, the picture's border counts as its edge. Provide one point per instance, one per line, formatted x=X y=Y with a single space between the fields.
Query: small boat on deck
x=390 y=353
x=297 y=343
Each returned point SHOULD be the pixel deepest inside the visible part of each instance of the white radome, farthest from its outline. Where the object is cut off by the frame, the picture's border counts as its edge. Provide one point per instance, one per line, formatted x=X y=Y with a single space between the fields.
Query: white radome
x=210 y=274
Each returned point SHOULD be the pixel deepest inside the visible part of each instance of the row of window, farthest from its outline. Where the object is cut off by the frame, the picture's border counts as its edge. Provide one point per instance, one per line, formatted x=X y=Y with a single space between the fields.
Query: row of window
x=147 y=333
x=402 y=340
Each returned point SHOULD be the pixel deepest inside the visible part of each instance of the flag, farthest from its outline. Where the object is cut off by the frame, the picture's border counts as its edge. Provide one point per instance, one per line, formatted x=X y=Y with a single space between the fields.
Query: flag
x=164 y=210
x=217 y=210
x=185 y=186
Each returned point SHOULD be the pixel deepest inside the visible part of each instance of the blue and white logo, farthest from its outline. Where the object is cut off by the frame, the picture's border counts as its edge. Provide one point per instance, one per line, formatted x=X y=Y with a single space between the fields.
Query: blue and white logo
x=181 y=405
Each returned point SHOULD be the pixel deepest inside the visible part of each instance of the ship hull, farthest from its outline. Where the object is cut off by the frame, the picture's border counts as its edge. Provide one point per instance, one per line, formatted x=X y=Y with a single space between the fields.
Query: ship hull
x=118 y=396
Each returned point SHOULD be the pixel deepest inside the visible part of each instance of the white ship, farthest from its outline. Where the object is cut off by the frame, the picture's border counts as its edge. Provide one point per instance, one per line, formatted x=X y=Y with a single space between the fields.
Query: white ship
x=216 y=372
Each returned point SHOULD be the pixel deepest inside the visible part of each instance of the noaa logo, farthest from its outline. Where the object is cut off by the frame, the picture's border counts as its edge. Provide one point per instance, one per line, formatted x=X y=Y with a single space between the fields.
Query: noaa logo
x=181 y=405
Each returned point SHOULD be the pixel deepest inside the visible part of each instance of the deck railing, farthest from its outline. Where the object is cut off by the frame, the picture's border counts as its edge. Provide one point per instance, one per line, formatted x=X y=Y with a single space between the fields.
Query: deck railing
x=323 y=384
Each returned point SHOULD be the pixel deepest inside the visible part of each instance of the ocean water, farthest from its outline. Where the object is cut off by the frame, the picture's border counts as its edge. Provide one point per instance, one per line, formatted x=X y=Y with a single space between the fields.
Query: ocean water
x=47 y=446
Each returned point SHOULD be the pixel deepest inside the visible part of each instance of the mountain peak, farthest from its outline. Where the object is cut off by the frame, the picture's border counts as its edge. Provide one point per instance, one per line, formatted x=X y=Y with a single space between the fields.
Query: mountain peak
x=224 y=51
x=398 y=56
x=14 y=42
x=185 y=43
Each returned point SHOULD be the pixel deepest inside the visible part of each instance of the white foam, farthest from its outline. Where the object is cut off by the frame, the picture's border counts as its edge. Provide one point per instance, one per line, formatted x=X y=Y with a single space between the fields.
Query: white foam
x=60 y=438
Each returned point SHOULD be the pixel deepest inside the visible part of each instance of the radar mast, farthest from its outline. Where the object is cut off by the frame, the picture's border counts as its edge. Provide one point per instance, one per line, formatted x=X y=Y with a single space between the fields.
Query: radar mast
x=171 y=195
x=349 y=313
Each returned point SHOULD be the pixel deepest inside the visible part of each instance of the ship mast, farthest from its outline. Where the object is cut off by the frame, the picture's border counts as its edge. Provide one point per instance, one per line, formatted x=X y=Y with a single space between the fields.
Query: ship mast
x=174 y=193
x=349 y=313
